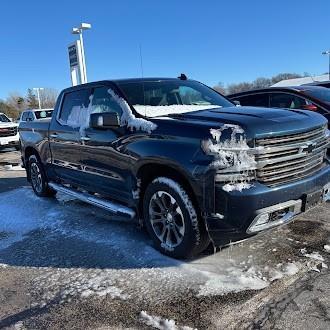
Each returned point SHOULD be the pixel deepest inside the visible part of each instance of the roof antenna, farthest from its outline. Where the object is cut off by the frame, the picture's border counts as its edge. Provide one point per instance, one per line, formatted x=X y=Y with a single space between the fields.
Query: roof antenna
x=142 y=75
x=182 y=77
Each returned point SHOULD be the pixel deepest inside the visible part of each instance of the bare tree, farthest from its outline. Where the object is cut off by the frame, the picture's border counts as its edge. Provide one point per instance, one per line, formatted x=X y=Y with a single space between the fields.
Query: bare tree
x=284 y=76
x=240 y=87
x=16 y=101
x=48 y=97
x=220 y=88
x=10 y=111
x=261 y=82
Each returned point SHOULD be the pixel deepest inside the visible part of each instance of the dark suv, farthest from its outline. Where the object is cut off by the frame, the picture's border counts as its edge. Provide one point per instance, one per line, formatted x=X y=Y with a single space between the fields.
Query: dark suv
x=305 y=97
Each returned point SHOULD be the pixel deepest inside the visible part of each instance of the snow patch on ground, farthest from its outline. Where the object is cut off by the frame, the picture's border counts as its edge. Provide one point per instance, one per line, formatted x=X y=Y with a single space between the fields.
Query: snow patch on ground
x=76 y=283
x=236 y=279
x=313 y=255
x=161 y=323
x=327 y=248
x=13 y=167
x=86 y=254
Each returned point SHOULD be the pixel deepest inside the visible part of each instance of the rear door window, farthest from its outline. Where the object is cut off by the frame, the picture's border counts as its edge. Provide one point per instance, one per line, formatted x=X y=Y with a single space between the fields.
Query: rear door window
x=25 y=116
x=255 y=100
x=286 y=101
x=74 y=107
x=30 y=116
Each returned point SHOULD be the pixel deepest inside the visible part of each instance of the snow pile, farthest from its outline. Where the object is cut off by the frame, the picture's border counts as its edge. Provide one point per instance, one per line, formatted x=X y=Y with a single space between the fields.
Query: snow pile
x=317 y=261
x=236 y=278
x=13 y=167
x=232 y=156
x=160 y=323
x=291 y=269
x=164 y=110
x=314 y=255
x=128 y=118
x=327 y=248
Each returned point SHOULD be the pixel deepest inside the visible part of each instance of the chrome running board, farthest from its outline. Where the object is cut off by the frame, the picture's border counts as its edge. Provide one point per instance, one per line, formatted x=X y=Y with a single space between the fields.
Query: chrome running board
x=115 y=208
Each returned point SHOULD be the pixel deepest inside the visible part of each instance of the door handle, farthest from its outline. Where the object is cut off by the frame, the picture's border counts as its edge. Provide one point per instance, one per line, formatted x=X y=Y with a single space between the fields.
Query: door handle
x=53 y=135
x=85 y=138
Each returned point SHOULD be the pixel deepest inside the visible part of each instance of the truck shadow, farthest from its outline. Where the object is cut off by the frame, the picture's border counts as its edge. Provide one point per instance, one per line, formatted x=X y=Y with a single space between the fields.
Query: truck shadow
x=64 y=233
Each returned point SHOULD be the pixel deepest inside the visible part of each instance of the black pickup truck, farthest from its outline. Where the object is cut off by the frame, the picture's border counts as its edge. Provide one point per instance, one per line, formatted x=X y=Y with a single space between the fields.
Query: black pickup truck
x=180 y=158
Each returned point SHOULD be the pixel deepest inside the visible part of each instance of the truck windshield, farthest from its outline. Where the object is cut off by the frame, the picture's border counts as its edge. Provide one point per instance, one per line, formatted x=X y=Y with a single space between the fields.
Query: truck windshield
x=4 y=118
x=165 y=97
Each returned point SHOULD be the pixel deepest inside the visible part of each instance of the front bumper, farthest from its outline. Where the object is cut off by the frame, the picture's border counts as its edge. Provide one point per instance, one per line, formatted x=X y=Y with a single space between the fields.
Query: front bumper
x=7 y=141
x=236 y=213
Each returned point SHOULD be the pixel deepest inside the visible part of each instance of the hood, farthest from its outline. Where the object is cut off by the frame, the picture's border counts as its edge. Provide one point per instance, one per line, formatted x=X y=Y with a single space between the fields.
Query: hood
x=9 y=124
x=258 y=122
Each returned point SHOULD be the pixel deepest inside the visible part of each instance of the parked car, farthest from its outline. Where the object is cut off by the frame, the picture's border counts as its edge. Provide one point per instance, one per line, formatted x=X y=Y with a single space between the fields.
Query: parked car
x=305 y=97
x=36 y=114
x=319 y=83
x=9 y=136
x=179 y=158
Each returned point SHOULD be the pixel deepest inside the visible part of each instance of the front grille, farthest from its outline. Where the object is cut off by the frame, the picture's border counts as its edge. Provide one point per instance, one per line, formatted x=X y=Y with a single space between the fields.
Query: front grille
x=287 y=158
x=8 y=131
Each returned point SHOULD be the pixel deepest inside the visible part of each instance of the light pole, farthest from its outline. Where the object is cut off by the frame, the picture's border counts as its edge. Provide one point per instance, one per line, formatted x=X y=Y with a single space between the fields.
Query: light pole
x=79 y=30
x=38 y=89
x=327 y=52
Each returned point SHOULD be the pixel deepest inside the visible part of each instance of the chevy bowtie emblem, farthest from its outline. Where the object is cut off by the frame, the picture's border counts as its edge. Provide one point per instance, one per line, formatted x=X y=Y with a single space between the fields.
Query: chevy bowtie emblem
x=308 y=148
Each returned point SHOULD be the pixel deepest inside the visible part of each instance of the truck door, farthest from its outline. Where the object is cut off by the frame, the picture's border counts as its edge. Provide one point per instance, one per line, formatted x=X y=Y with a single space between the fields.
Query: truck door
x=64 y=136
x=106 y=169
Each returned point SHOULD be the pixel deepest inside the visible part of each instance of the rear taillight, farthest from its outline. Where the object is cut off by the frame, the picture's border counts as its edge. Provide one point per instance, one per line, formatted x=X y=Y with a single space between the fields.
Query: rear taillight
x=310 y=107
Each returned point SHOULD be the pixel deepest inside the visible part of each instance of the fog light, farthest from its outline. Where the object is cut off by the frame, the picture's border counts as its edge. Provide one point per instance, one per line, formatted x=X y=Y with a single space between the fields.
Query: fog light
x=275 y=215
x=262 y=219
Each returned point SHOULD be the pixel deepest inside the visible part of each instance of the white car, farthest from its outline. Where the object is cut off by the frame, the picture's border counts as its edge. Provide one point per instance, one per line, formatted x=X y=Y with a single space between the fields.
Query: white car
x=36 y=114
x=9 y=136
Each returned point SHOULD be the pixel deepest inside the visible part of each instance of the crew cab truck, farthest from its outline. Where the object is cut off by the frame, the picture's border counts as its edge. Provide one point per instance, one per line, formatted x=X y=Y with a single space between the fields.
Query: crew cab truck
x=9 y=136
x=180 y=158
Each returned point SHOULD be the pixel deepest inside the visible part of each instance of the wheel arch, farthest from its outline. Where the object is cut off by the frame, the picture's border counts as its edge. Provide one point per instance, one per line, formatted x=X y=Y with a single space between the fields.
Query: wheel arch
x=151 y=170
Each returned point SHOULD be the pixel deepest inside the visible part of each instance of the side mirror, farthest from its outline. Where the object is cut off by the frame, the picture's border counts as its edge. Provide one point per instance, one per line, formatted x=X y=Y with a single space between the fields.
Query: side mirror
x=104 y=120
x=236 y=102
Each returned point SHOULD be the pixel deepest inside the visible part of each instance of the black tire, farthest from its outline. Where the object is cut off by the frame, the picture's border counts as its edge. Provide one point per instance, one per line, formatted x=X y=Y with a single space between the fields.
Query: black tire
x=175 y=227
x=38 y=178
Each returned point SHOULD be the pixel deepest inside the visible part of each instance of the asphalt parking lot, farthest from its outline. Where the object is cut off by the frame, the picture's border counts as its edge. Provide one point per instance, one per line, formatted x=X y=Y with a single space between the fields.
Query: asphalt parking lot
x=67 y=265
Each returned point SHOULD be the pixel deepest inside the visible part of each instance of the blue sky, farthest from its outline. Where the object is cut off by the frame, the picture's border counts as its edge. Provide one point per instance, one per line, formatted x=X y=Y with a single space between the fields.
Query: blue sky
x=211 y=41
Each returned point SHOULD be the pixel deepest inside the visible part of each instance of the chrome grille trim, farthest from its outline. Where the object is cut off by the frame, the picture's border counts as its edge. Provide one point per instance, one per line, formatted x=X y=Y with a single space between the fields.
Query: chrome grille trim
x=8 y=131
x=318 y=132
x=291 y=157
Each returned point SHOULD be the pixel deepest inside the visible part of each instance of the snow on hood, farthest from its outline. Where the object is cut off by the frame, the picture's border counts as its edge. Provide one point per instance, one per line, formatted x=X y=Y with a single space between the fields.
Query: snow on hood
x=8 y=124
x=231 y=155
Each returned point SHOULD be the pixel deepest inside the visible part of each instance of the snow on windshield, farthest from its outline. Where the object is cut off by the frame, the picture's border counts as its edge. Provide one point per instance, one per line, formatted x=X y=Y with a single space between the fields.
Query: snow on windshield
x=164 y=110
